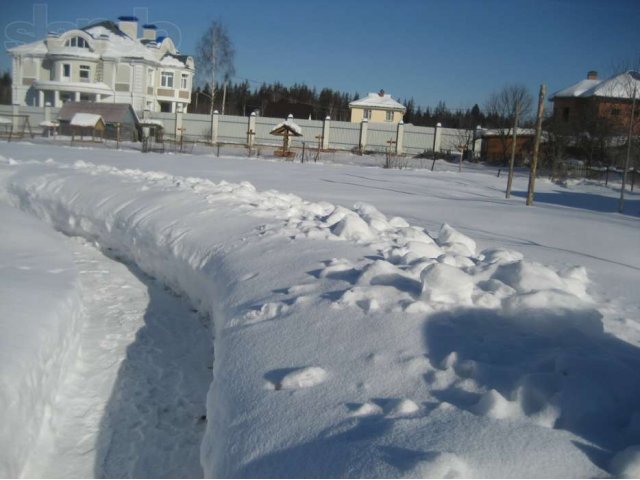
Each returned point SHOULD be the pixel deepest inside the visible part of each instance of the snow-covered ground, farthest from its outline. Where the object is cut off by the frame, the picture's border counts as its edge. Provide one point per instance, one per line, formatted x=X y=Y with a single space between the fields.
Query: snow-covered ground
x=366 y=322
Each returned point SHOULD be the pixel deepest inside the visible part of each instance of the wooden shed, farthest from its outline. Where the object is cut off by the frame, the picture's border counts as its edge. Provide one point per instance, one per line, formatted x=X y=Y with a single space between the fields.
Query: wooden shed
x=121 y=121
x=85 y=124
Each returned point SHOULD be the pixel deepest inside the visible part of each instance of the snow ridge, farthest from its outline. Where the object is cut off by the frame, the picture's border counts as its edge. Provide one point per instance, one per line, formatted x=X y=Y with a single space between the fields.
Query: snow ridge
x=508 y=340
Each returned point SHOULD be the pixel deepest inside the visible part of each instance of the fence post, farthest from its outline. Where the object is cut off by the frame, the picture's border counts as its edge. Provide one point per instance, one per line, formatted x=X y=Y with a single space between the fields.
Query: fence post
x=178 y=122
x=364 y=124
x=437 y=137
x=400 y=138
x=251 y=131
x=326 y=127
x=214 y=127
x=15 y=110
x=47 y=112
x=477 y=142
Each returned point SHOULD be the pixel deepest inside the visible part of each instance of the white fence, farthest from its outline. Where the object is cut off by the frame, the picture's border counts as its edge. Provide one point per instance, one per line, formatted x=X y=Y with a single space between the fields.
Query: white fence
x=229 y=129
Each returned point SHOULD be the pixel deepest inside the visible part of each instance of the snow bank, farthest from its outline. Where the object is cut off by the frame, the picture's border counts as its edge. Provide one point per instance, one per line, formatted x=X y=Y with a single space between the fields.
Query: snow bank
x=41 y=314
x=350 y=344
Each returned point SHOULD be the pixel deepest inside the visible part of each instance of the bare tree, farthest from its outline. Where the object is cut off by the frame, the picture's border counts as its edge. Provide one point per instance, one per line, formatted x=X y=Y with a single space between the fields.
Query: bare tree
x=512 y=104
x=464 y=142
x=215 y=56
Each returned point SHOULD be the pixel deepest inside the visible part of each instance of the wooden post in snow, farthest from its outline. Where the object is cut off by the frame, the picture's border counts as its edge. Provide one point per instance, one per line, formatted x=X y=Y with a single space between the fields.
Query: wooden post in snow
x=514 y=141
x=536 y=146
x=627 y=159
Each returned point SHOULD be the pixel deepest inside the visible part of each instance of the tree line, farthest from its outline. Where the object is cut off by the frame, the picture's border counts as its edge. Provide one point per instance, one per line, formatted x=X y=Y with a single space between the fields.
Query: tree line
x=241 y=99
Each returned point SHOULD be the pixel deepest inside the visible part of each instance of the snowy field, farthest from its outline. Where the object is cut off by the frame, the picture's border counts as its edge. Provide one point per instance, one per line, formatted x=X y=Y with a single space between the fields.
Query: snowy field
x=189 y=315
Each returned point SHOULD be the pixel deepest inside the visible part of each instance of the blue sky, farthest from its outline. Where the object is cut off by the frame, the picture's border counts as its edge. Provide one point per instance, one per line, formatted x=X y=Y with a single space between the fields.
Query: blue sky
x=457 y=51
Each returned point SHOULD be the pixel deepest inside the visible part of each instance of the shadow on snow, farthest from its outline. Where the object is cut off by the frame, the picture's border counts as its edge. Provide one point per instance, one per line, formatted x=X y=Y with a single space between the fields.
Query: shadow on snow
x=154 y=421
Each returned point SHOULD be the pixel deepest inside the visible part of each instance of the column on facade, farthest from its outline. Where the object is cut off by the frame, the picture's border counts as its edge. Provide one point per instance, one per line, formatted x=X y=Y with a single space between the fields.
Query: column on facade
x=56 y=98
x=41 y=98
x=77 y=96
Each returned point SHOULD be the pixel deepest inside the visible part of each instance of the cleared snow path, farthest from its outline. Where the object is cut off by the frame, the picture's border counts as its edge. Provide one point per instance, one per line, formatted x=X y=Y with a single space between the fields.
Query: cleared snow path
x=133 y=403
x=350 y=344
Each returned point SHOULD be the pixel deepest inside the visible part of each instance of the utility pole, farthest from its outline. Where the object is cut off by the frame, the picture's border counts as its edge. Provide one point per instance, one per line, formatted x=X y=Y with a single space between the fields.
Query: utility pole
x=514 y=138
x=627 y=160
x=224 y=96
x=536 y=145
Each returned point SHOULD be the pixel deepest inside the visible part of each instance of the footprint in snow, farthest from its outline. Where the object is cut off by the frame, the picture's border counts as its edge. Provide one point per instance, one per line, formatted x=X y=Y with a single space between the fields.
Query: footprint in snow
x=295 y=378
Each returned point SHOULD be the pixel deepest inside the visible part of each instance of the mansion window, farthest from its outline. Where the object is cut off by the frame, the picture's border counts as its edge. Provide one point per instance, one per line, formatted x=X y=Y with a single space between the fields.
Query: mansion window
x=389 y=116
x=367 y=114
x=77 y=42
x=66 y=70
x=184 y=80
x=166 y=79
x=84 y=73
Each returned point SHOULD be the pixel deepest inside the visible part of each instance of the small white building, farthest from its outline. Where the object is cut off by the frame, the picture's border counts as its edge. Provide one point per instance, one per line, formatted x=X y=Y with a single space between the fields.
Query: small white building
x=103 y=62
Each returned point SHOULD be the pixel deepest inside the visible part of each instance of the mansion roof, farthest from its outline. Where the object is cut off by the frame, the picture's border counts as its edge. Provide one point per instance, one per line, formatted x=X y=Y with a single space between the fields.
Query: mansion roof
x=105 y=39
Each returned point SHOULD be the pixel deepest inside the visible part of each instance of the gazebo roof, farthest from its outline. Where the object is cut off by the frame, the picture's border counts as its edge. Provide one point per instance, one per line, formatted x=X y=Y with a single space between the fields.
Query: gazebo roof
x=288 y=127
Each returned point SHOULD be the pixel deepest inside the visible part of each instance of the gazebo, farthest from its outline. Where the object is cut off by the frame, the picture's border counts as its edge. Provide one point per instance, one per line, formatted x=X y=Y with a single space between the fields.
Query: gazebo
x=285 y=130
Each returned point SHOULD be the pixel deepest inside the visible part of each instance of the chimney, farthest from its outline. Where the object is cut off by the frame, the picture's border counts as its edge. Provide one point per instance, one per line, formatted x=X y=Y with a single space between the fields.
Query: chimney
x=149 y=32
x=381 y=93
x=592 y=75
x=129 y=25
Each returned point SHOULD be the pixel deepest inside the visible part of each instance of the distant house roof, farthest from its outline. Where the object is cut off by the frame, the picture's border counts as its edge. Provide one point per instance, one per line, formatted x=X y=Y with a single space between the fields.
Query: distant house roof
x=618 y=86
x=110 y=112
x=378 y=100
x=576 y=89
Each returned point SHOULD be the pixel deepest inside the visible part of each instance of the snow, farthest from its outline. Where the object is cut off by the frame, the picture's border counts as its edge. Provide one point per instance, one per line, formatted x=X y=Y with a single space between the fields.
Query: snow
x=577 y=89
x=620 y=85
x=152 y=122
x=376 y=100
x=120 y=45
x=85 y=119
x=290 y=125
x=40 y=312
x=49 y=124
x=170 y=61
x=367 y=322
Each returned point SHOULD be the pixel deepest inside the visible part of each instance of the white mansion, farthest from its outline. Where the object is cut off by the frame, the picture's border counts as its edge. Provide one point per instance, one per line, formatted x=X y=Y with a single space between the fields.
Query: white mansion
x=104 y=62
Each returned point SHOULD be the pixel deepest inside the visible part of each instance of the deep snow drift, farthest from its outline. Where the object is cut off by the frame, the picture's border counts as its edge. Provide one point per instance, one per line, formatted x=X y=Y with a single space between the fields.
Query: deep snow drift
x=351 y=343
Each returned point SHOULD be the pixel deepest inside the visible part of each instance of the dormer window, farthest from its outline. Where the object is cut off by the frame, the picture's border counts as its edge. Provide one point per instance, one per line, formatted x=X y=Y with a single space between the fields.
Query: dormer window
x=77 y=42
